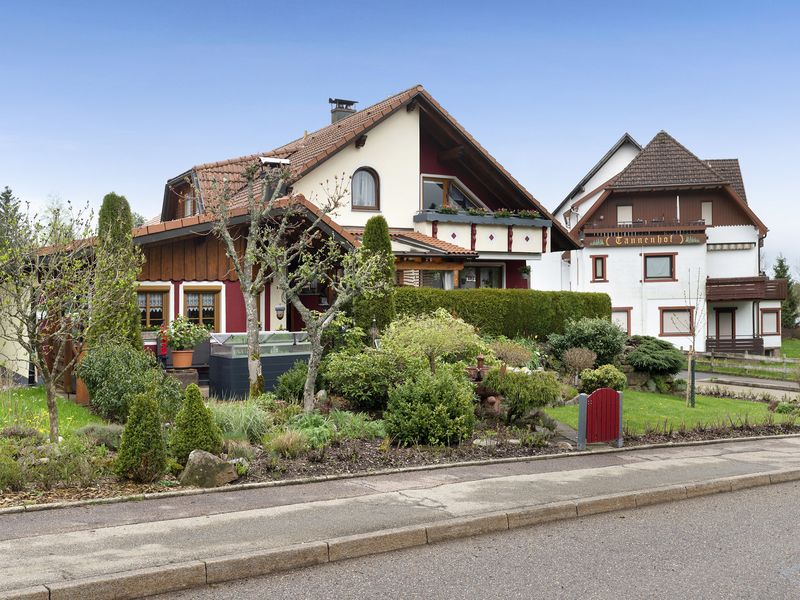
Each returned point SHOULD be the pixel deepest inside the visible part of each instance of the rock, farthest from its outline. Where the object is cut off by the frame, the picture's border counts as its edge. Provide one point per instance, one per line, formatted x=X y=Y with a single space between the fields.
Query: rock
x=513 y=442
x=651 y=385
x=322 y=397
x=203 y=469
x=485 y=442
x=564 y=446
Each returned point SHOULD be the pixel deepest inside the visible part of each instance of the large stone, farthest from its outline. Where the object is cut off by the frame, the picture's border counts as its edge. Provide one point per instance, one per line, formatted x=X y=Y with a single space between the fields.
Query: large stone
x=203 y=469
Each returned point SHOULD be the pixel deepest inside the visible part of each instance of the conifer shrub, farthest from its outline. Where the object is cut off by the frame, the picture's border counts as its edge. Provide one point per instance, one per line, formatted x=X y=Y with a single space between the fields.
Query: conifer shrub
x=600 y=335
x=142 y=454
x=195 y=428
x=377 y=306
x=656 y=357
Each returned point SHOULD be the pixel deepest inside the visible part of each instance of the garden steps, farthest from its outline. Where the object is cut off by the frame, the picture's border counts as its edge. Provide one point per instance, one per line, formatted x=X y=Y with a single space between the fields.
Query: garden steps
x=97 y=541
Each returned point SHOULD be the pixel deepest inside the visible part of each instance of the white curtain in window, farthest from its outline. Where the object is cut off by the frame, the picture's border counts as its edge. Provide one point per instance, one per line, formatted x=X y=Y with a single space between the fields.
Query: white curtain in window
x=659 y=267
x=364 y=190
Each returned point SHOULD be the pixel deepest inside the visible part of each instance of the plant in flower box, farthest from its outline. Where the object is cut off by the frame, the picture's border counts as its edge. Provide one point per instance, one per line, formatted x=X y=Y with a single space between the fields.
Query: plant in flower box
x=182 y=336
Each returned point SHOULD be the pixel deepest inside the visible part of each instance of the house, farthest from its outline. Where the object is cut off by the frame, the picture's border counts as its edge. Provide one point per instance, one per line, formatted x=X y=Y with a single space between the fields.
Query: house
x=457 y=218
x=673 y=241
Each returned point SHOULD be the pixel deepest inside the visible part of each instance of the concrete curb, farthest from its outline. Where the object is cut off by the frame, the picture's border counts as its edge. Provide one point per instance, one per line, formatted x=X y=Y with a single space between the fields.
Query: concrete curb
x=397 y=471
x=198 y=573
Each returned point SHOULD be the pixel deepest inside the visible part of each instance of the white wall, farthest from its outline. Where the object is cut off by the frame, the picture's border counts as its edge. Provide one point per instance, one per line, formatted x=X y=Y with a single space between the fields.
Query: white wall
x=733 y=263
x=392 y=150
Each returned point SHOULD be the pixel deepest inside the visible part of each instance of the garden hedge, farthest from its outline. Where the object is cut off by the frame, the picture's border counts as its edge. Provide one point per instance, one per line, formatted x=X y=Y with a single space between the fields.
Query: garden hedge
x=512 y=313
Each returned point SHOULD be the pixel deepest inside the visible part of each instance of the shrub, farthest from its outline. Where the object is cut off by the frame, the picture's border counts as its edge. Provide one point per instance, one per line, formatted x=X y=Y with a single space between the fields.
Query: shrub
x=508 y=312
x=109 y=435
x=289 y=385
x=607 y=376
x=288 y=444
x=431 y=409
x=194 y=428
x=599 y=335
x=434 y=336
x=785 y=408
x=511 y=353
x=114 y=374
x=316 y=429
x=168 y=394
x=363 y=378
x=11 y=477
x=142 y=456
x=240 y=420
x=523 y=392
x=355 y=426
x=378 y=306
x=654 y=356
x=576 y=360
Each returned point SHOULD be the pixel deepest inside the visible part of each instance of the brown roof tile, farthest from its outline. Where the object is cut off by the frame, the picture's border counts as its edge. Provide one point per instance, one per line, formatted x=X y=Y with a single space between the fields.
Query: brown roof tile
x=416 y=236
x=731 y=172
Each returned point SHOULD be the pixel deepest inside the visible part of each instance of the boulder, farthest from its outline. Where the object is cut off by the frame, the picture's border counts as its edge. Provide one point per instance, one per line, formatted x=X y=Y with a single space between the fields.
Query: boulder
x=564 y=445
x=203 y=469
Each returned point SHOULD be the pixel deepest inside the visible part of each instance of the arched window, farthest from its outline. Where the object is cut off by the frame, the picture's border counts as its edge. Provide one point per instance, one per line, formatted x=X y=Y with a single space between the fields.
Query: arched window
x=365 y=190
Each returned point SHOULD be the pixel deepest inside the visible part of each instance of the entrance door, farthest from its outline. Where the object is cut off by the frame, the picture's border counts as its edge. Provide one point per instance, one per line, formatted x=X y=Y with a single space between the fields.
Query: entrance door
x=726 y=323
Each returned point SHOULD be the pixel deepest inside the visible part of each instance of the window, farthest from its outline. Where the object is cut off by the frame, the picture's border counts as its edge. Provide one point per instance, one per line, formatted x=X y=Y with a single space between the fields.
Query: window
x=440 y=192
x=153 y=308
x=202 y=307
x=365 y=190
x=676 y=321
x=624 y=214
x=706 y=212
x=186 y=206
x=659 y=267
x=771 y=321
x=481 y=277
x=442 y=280
x=599 y=268
x=621 y=317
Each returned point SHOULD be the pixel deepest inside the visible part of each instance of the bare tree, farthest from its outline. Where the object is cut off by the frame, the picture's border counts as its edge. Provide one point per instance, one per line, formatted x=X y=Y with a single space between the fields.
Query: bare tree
x=46 y=281
x=696 y=306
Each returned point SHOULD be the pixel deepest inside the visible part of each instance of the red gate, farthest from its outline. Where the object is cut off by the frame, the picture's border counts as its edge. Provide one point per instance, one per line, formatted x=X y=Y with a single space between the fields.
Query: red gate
x=600 y=418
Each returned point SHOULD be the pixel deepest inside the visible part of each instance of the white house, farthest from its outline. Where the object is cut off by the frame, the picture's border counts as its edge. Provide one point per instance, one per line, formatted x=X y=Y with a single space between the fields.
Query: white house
x=673 y=241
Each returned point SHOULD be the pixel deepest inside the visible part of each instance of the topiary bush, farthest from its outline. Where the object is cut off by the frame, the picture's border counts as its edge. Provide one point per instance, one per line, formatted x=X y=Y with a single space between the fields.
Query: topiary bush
x=508 y=312
x=195 y=428
x=599 y=335
x=607 y=376
x=435 y=409
x=363 y=378
x=142 y=454
x=654 y=356
x=377 y=306
x=523 y=392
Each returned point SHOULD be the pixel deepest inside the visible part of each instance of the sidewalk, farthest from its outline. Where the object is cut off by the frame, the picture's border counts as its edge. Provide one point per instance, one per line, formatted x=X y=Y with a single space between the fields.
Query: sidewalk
x=61 y=545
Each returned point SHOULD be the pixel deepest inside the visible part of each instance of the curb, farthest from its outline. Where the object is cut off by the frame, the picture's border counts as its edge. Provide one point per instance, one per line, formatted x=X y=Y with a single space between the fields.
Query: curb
x=199 y=573
x=395 y=471
x=767 y=385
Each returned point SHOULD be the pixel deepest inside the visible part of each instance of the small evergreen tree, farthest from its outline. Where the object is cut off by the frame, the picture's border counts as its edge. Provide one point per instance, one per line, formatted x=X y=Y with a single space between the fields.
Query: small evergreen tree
x=378 y=306
x=115 y=312
x=195 y=428
x=142 y=454
x=789 y=307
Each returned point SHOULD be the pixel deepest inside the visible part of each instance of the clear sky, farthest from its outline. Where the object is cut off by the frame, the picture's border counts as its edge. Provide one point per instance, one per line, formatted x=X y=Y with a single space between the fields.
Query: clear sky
x=121 y=96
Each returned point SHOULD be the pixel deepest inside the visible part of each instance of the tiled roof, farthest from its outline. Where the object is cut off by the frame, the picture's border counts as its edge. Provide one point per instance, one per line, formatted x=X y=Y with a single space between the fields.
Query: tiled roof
x=666 y=162
x=729 y=170
x=401 y=235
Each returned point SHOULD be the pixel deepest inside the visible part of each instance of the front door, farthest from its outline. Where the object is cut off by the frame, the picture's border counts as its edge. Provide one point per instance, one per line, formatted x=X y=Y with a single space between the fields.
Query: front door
x=726 y=323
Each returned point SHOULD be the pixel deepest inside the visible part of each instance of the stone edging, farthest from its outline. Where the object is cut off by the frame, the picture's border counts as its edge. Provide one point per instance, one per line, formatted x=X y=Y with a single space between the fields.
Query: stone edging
x=198 y=573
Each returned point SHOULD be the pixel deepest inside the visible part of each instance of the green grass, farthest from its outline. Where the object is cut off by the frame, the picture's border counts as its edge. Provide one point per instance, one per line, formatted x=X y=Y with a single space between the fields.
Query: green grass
x=791 y=348
x=28 y=407
x=643 y=409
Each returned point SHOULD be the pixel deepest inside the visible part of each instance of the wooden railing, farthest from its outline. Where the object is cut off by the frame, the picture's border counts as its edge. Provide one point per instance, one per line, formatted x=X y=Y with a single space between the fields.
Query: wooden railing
x=745 y=288
x=737 y=345
x=645 y=226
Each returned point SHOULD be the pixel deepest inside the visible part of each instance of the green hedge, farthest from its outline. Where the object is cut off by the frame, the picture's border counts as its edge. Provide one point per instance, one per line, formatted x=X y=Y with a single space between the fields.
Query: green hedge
x=512 y=313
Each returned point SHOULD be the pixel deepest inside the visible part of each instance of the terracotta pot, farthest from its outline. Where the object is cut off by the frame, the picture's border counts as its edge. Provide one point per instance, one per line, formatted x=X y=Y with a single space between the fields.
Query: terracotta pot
x=182 y=359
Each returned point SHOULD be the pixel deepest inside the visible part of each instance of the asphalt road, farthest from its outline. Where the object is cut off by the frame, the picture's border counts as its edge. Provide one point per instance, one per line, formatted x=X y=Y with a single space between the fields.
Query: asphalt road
x=737 y=545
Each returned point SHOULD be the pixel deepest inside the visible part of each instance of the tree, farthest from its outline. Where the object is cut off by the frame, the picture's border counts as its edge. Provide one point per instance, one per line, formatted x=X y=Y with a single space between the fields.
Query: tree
x=47 y=277
x=789 y=307
x=377 y=307
x=289 y=241
x=115 y=312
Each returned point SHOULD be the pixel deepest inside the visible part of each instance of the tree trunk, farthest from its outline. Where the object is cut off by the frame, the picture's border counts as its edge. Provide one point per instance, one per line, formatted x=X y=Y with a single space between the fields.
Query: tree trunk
x=432 y=363
x=52 y=409
x=309 y=391
x=254 y=373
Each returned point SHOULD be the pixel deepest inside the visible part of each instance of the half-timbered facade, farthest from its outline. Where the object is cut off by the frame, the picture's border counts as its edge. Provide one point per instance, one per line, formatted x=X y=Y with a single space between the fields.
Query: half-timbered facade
x=673 y=241
x=457 y=218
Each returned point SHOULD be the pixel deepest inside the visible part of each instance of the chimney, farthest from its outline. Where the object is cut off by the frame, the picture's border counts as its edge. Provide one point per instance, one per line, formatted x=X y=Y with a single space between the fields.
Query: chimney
x=341 y=108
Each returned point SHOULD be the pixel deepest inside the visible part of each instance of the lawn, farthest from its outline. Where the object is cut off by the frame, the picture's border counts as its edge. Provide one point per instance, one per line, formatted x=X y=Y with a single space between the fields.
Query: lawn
x=791 y=348
x=27 y=406
x=643 y=409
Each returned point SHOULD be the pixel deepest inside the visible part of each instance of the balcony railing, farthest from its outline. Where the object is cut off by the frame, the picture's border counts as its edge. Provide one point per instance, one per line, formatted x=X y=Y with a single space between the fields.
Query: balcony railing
x=737 y=345
x=745 y=288
x=641 y=226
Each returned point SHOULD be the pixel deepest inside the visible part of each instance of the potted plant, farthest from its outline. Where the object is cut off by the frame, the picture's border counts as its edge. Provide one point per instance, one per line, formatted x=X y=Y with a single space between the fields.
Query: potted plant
x=182 y=336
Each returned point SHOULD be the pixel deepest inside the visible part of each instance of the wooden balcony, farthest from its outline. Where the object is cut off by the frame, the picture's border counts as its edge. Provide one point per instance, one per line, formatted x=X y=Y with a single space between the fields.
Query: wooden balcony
x=745 y=288
x=642 y=226
x=737 y=345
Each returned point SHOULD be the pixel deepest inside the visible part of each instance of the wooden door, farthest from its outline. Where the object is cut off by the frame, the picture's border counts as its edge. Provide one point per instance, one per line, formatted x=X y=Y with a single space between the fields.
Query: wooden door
x=726 y=323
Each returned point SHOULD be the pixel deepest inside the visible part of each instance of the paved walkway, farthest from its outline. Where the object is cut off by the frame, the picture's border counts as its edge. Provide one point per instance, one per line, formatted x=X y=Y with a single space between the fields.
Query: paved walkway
x=747 y=386
x=79 y=542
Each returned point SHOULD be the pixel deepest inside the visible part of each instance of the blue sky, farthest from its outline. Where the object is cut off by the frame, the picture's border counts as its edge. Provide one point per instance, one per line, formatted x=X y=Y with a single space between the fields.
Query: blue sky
x=111 y=96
